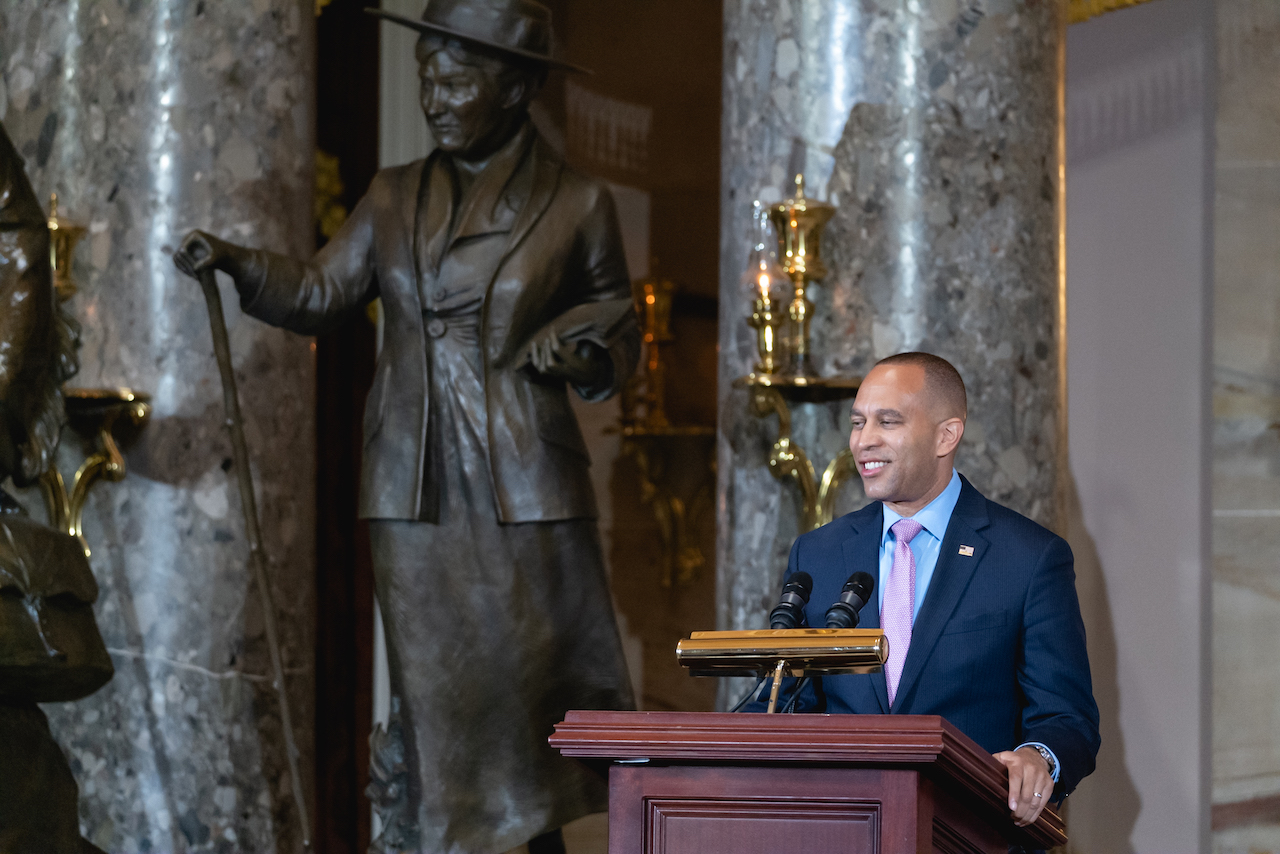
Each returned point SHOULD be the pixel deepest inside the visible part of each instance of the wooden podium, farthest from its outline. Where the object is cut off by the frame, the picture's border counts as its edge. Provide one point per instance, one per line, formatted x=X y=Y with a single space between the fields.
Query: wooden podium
x=715 y=783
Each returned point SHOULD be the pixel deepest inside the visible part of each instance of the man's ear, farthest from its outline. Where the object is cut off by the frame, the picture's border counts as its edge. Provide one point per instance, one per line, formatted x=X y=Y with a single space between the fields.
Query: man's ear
x=950 y=432
x=522 y=92
x=515 y=94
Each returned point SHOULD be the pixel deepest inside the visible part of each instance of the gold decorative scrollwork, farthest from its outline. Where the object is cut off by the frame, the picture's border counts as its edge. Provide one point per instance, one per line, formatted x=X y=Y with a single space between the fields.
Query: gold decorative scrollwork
x=788 y=459
x=95 y=413
x=681 y=559
x=1083 y=10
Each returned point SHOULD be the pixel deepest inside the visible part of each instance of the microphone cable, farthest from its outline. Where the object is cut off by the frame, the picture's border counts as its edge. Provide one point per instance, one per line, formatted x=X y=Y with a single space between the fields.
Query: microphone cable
x=790 y=707
x=749 y=696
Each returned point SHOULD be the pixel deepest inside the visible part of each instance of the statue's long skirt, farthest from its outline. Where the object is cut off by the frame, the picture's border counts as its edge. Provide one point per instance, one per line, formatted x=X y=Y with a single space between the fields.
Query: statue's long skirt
x=493 y=631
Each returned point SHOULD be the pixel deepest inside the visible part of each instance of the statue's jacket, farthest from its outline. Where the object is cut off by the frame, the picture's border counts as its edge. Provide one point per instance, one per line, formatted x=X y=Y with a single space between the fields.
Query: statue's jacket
x=561 y=257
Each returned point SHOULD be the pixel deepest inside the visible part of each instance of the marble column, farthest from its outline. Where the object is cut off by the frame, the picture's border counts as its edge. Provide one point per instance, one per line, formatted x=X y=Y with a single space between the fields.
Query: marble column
x=934 y=127
x=149 y=119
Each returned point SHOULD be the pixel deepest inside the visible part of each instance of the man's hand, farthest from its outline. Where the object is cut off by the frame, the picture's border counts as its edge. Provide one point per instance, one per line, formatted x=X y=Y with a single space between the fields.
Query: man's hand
x=1030 y=783
x=555 y=358
x=202 y=251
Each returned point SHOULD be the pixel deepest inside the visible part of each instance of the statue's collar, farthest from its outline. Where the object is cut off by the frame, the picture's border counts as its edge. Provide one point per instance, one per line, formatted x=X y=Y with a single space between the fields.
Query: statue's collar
x=494 y=199
x=491 y=205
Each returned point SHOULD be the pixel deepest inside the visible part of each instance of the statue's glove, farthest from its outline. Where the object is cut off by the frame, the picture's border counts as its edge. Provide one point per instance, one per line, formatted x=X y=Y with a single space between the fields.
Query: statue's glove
x=578 y=363
x=202 y=251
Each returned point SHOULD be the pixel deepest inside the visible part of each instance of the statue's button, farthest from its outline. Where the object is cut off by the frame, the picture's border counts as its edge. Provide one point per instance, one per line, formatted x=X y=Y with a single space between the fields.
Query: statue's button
x=439 y=295
x=436 y=327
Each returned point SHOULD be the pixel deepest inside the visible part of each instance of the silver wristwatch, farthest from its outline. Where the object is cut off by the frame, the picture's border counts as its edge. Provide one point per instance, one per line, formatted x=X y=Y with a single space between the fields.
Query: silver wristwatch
x=1048 y=758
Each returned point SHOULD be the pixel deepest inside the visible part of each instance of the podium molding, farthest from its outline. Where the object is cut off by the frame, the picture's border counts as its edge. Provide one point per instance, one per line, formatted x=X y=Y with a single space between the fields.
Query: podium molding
x=702 y=783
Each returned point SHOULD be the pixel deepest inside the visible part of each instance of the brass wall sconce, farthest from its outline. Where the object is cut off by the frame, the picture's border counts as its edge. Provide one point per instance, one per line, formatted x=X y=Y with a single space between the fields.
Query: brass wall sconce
x=94 y=413
x=647 y=391
x=787 y=459
x=91 y=412
x=799 y=222
x=648 y=435
x=63 y=237
x=785 y=374
x=651 y=451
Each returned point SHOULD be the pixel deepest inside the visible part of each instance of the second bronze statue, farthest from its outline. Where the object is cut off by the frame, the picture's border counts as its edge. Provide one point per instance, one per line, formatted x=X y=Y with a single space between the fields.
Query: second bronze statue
x=503 y=285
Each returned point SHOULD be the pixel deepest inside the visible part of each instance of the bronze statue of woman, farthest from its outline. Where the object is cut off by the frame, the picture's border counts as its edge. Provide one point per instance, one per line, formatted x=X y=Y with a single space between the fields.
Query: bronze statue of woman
x=503 y=283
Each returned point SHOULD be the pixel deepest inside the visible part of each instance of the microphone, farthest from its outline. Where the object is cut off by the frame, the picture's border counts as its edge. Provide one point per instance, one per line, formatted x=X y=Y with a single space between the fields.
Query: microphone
x=856 y=593
x=795 y=595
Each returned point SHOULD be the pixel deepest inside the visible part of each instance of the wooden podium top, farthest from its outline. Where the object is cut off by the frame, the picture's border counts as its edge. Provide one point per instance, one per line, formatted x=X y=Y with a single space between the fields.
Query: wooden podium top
x=924 y=741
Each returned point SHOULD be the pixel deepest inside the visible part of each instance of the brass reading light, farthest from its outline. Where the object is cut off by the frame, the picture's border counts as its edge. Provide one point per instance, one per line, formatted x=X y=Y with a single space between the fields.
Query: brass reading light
x=783 y=652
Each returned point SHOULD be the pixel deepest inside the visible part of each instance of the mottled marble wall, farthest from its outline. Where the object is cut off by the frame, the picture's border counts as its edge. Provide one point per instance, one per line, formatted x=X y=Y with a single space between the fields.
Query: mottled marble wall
x=1246 y=436
x=149 y=118
x=932 y=125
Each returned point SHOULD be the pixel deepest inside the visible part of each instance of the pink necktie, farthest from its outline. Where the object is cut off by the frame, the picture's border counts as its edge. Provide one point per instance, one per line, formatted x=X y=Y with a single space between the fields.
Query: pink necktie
x=900 y=602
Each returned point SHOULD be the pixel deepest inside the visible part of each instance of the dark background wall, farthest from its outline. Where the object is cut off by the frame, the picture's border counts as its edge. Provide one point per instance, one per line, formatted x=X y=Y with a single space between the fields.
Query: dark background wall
x=347 y=128
x=663 y=55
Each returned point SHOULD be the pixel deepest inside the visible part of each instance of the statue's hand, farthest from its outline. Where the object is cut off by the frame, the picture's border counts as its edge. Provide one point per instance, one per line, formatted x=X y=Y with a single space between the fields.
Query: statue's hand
x=564 y=360
x=202 y=251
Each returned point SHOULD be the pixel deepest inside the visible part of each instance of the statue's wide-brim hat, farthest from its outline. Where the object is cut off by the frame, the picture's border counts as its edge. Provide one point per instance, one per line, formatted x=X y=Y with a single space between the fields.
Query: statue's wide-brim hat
x=518 y=27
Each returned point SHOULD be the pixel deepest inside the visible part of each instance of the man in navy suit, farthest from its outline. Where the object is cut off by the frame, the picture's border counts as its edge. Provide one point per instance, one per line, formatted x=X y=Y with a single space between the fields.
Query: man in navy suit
x=978 y=602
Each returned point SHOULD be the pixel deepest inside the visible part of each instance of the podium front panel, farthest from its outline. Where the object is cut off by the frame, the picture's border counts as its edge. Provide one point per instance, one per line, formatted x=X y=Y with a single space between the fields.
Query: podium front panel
x=784 y=810
x=694 y=826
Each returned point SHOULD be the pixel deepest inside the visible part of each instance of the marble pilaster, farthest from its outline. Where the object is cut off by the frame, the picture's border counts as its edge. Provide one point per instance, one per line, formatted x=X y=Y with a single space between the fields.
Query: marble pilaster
x=1246 y=441
x=149 y=119
x=933 y=127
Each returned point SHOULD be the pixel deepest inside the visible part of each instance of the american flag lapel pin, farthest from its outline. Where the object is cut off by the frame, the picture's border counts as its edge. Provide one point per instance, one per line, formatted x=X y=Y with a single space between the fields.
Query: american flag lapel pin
x=966 y=551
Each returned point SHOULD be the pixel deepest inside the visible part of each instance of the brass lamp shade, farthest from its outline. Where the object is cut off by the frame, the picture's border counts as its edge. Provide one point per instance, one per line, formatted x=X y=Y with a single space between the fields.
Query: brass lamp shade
x=804 y=652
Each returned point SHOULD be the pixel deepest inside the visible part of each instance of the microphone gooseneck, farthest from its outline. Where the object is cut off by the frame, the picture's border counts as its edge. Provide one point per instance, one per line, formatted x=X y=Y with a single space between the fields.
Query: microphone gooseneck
x=789 y=614
x=855 y=594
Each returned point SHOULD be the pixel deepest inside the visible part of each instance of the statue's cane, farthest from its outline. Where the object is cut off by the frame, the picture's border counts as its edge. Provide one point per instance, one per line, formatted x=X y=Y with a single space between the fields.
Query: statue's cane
x=257 y=557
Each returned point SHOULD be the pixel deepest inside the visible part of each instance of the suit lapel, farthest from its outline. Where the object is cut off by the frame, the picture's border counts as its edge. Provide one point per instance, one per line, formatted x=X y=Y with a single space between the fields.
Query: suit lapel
x=416 y=219
x=862 y=552
x=951 y=578
x=435 y=212
x=546 y=179
x=492 y=203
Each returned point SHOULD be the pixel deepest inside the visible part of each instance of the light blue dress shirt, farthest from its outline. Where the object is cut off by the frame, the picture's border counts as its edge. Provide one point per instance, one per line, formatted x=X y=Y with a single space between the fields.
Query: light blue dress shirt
x=925 y=547
x=935 y=516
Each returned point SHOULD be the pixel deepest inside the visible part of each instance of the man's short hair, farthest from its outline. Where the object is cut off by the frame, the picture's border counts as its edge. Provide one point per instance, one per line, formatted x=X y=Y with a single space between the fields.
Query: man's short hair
x=942 y=381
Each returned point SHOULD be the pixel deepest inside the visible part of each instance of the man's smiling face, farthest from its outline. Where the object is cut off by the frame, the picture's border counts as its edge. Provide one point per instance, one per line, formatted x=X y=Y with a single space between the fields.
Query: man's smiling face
x=902 y=443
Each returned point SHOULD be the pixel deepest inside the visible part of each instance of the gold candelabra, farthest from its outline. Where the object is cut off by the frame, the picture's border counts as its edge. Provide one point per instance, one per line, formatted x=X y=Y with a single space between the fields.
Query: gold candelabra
x=648 y=437
x=799 y=222
x=784 y=372
x=92 y=412
x=647 y=390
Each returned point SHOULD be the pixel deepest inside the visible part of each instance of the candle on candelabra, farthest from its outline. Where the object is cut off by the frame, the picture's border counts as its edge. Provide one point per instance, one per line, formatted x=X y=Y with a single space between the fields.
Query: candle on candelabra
x=761 y=279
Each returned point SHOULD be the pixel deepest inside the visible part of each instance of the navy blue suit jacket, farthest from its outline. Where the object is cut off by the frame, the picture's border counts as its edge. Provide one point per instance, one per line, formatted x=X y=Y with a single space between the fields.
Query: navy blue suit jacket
x=998 y=647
